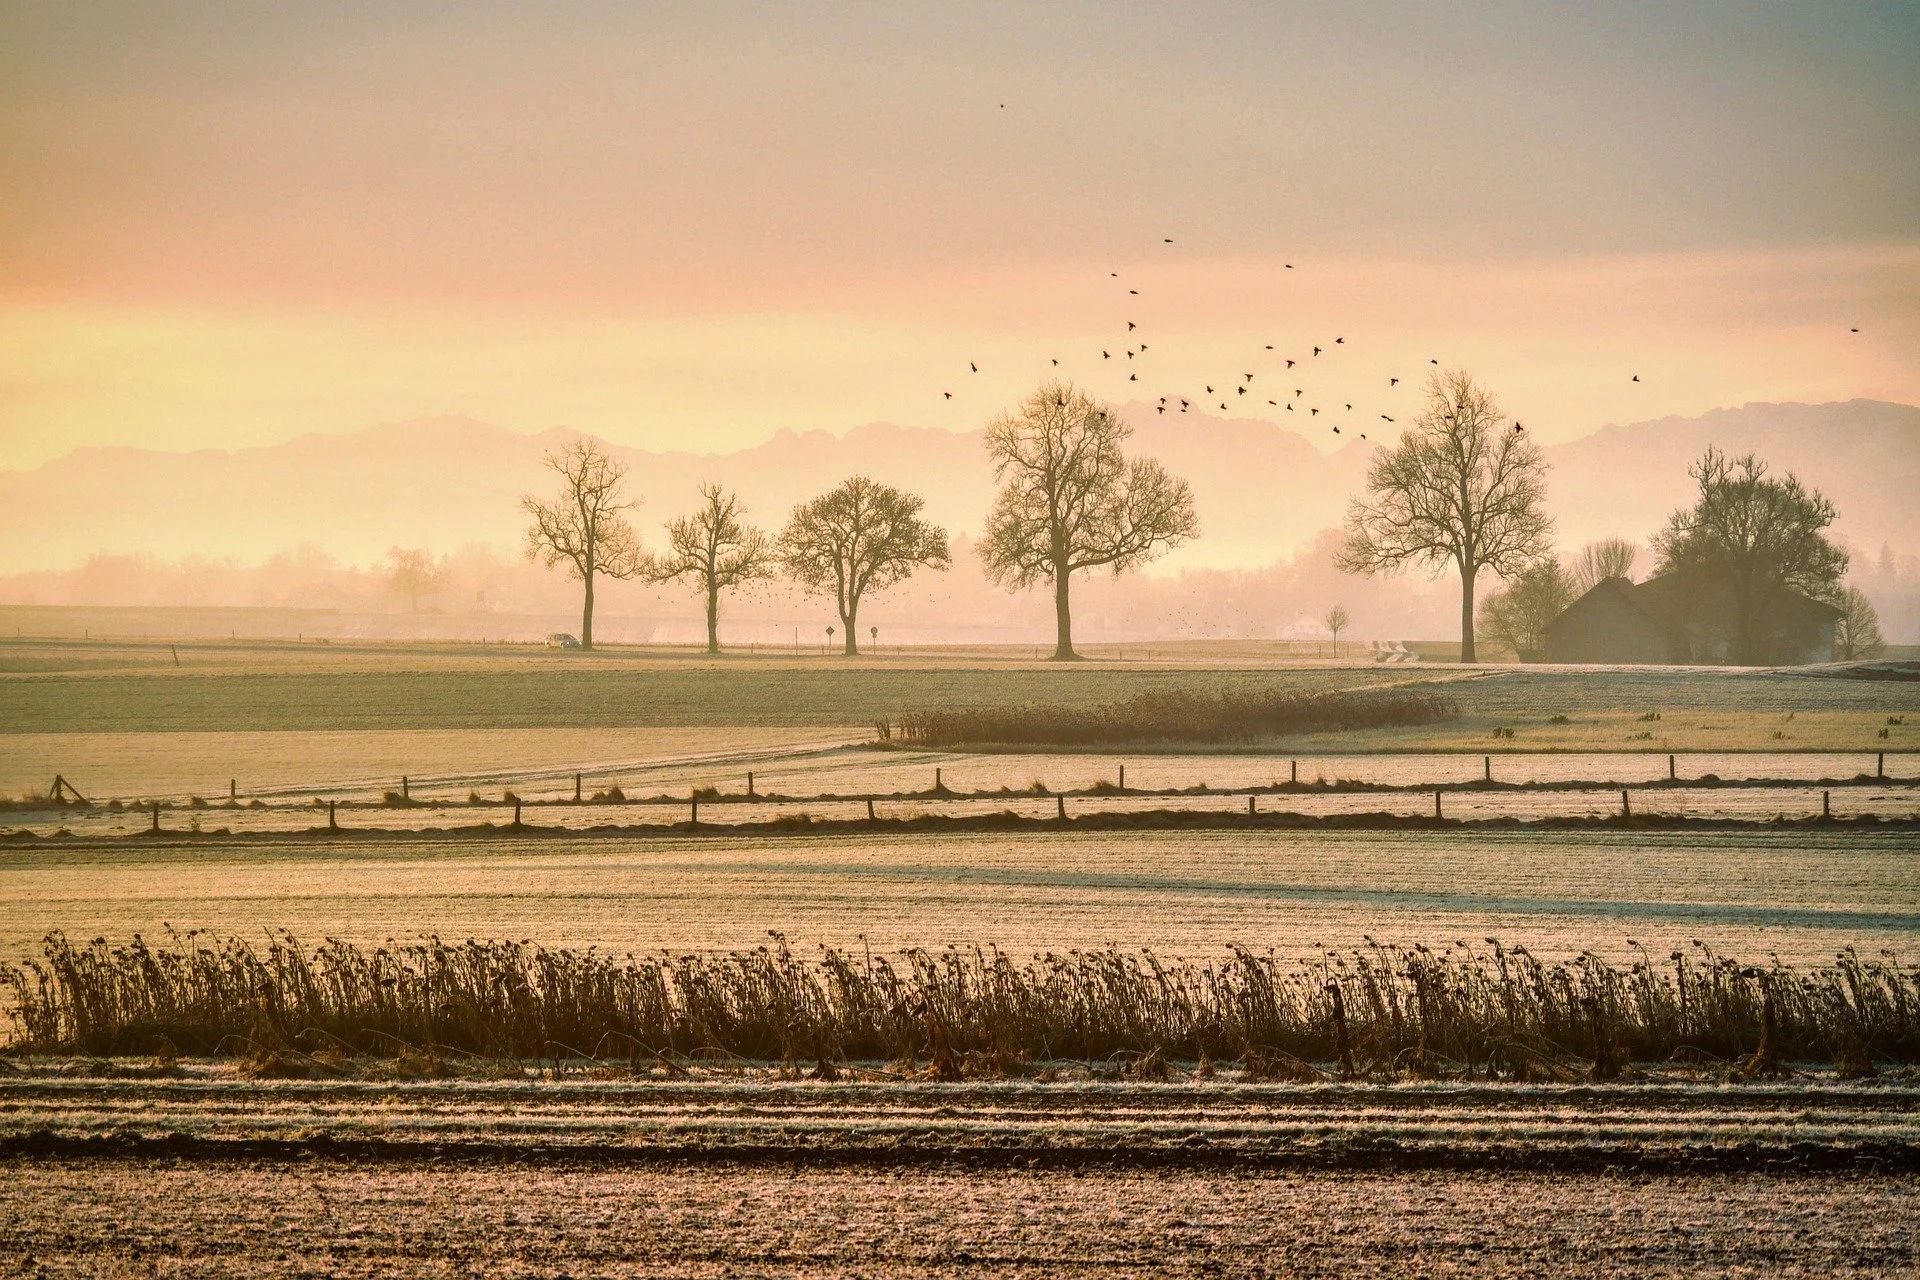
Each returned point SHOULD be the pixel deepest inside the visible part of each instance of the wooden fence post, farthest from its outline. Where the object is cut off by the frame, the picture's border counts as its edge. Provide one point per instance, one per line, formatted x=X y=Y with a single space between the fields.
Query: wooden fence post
x=1250 y=808
x=1061 y=807
x=1626 y=806
x=332 y=823
x=1826 y=804
x=406 y=788
x=156 y=815
x=1123 y=777
x=870 y=809
x=1486 y=768
x=1672 y=773
x=516 y=813
x=1293 y=771
x=576 y=788
x=1436 y=805
x=233 y=790
x=749 y=782
x=696 y=813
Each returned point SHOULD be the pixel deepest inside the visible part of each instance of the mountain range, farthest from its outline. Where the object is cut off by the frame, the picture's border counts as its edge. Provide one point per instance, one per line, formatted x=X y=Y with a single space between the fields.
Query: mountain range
x=1264 y=491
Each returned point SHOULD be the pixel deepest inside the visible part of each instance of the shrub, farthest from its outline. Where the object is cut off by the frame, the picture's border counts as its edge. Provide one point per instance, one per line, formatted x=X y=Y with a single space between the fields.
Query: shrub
x=1178 y=717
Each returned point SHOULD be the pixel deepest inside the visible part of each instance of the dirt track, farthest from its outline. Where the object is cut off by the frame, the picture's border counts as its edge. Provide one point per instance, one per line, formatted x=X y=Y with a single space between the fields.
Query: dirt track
x=162 y=1218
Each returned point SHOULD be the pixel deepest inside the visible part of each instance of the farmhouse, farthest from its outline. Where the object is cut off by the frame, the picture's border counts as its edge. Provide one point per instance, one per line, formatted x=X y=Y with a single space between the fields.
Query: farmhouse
x=1685 y=619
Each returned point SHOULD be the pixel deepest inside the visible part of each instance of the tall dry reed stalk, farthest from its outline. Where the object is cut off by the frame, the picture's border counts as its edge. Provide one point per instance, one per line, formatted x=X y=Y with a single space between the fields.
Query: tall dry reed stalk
x=1493 y=1011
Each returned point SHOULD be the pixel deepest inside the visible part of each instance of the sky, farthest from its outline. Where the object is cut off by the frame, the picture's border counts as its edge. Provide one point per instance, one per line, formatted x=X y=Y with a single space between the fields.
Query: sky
x=692 y=226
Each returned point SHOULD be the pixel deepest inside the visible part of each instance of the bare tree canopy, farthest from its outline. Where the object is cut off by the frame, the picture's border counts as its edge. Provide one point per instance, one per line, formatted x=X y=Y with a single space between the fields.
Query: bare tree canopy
x=861 y=536
x=1336 y=621
x=582 y=525
x=716 y=550
x=1070 y=500
x=1598 y=561
x=414 y=573
x=1462 y=488
x=1517 y=616
x=1756 y=534
x=1857 y=634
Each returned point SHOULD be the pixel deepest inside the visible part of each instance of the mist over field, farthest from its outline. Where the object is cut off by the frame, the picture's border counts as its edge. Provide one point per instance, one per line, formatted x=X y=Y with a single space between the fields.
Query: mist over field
x=306 y=524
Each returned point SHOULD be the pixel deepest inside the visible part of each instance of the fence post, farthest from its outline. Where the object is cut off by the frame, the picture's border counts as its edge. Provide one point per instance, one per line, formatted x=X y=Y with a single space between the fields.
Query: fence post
x=1436 y=805
x=869 y=808
x=1250 y=808
x=1293 y=771
x=1880 y=765
x=516 y=813
x=937 y=784
x=406 y=788
x=233 y=789
x=576 y=788
x=696 y=813
x=156 y=815
x=1672 y=774
x=1826 y=804
x=332 y=823
x=1123 y=777
x=1626 y=806
x=1061 y=803
x=749 y=782
x=1486 y=767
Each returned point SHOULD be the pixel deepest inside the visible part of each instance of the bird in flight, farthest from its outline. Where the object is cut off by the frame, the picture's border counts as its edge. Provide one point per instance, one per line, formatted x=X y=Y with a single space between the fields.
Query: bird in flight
x=1853 y=331
x=1433 y=362
x=1056 y=364
x=1168 y=240
x=1159 y=408
x=1289 y=266
x=1241 y=390
x=1133 y=377
x=1316 y=351
x=1385 y=418
x=1143 y=346
x=947 y=394
x=1289 y=364
x=1106 y=355
x=1314 y=413
x=1135 y=292
x=1339 y=342
x=971 y=365
x=1336 y=431
x=1247 y=376
x=1270 y=402
x=1517 y=428
x=1209 y=390
x=1393 y=382
x=1636 y=377
x=1130 y=326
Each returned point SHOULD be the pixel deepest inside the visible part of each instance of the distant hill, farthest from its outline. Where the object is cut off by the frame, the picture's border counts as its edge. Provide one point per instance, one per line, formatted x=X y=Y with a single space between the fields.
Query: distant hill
x=1264 y=491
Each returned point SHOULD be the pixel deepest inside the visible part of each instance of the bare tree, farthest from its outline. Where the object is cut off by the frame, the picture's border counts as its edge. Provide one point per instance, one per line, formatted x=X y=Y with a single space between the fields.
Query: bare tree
x=1756 y=534
x=414 y=573
x=1069 y=500
x=716 y=550
x=1336 y=621
x=1517 y=616
x=1857 y=634
x=582 y=525
x=1463 y=487
x=861 y=536
x=1598 y=561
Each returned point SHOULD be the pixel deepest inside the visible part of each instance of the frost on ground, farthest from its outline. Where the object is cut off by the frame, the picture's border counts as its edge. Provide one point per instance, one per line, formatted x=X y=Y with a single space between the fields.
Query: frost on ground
x=268 y=1218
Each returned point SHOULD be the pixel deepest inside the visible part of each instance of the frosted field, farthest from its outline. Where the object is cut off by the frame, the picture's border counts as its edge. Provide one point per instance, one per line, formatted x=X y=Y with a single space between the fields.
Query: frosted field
x=257 y=1218
x=1799 y=894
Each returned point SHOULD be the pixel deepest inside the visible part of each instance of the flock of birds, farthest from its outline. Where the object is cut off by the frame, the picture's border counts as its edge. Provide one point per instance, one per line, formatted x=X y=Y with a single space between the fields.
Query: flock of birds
x=1275 y=379
x=1133 y=347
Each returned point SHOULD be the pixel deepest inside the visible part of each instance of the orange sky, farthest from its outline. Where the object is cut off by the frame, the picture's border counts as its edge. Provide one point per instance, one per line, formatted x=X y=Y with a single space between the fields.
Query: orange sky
x=222 y=227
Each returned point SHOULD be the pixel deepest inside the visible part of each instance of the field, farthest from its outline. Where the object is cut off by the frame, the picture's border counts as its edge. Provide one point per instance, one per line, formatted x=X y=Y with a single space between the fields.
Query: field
x=410 y=1156
x=245 y=1218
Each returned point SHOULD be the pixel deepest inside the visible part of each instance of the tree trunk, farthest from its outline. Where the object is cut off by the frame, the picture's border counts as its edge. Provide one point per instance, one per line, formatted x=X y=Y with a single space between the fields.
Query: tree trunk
x=1063 y=617
x=586 y=614
x=713 y=619
x=1467 y=572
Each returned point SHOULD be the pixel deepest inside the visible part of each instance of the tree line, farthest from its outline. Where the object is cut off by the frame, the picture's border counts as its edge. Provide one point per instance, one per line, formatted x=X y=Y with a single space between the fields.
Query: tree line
x=1463 y=488
x=1069 y=500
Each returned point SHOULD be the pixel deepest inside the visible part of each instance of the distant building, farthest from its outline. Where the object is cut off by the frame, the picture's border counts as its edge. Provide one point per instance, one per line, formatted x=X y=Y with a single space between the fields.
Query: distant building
x=1686 y=619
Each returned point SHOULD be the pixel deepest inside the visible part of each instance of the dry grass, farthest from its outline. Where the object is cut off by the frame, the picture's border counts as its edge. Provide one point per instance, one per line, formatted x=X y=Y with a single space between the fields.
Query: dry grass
x=1181 y=716
x=1379 y=1010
